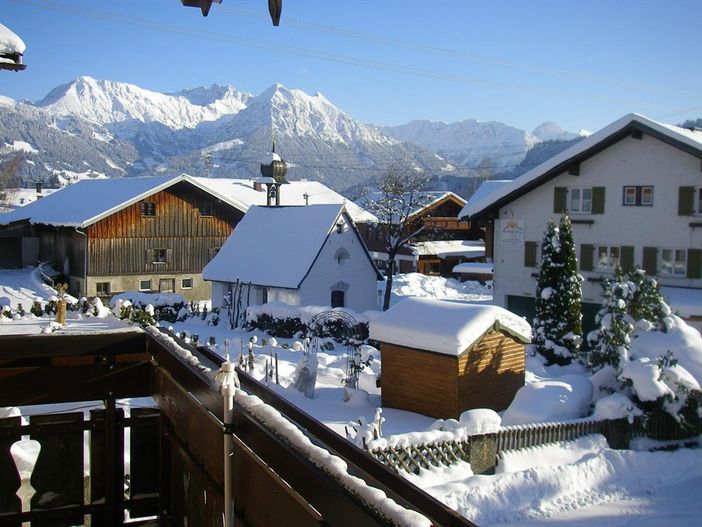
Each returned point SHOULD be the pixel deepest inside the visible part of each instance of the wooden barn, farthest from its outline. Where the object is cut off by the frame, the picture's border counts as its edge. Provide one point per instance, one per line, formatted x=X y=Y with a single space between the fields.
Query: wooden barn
x=440 y=358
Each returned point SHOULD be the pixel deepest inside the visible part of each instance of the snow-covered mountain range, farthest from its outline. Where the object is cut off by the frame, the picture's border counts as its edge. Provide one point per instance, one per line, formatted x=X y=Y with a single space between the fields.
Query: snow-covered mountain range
x=479 y=145
x=92 y=127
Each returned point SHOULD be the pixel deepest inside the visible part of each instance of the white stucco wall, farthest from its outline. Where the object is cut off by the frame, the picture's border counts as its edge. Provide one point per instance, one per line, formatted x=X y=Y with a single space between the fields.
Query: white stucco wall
x=356 y=272
x=647 y=161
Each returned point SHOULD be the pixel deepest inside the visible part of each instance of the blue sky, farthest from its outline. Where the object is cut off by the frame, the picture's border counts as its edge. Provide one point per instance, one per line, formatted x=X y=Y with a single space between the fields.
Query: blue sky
x=581 y=63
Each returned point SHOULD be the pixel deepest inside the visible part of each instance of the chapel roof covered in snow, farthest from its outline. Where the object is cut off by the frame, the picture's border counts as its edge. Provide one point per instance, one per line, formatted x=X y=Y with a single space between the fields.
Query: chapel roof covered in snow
x=88 y=201
x=443 y=326
x=687 y=140
x=275 y=246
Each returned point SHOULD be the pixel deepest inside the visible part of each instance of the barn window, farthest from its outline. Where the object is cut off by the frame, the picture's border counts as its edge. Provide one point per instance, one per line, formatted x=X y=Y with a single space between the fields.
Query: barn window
x=341 y=256
x=144 y=285
x=186 y=283
x=148 y=208
x=160 y=256
x=206 y=208
x=102 y=288
x=337 y=298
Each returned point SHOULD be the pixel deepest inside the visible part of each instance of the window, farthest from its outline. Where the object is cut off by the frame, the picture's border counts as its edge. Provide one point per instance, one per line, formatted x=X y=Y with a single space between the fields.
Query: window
x=148 y=208
x=638 y=196
x=341 y=256
x=206 y=208
x=160 y=256
x=698 y=201
x=102 y=288
x=580 y=200
x=144 y=285
x=339 y=228
x=608 y=257
x=186 y=283
x=673 y=262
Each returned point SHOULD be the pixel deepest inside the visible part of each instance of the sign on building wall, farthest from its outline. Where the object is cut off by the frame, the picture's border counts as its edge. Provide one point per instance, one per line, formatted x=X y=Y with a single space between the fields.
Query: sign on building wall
x=512 y=231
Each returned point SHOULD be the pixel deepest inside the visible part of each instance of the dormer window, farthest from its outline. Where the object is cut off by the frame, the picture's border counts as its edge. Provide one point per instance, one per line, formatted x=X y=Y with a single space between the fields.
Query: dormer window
x=148 y=208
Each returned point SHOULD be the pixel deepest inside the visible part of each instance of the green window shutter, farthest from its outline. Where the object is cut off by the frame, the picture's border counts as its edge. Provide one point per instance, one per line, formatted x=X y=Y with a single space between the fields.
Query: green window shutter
x=529 y=254
x=686 y=201
x=560 y=198
x=650 y=260
x=598 y=200
x=694 y=263
x=586 y=254
x=626 y=257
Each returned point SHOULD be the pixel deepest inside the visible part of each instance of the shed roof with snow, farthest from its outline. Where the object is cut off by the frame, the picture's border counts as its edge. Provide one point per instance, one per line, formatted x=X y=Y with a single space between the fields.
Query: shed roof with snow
x=442 y=326
x=275 y=246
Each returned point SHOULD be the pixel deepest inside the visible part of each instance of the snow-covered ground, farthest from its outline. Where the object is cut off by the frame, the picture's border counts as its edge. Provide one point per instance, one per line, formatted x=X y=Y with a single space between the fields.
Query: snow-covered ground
x=570 y=483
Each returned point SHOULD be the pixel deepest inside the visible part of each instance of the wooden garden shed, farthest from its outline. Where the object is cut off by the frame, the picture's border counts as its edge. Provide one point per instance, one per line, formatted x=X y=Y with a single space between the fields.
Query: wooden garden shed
x=440 y=358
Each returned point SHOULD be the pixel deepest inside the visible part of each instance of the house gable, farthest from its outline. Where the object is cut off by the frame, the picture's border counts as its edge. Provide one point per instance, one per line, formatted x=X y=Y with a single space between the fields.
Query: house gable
x=569 y=161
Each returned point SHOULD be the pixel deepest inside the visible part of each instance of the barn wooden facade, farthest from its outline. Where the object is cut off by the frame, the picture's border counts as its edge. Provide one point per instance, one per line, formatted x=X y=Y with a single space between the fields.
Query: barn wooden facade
x=442 y=358
x=153 y=241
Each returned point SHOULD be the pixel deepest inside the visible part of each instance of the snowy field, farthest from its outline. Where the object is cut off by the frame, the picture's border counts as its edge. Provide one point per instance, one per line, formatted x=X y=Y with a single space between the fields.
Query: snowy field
x=570 y=483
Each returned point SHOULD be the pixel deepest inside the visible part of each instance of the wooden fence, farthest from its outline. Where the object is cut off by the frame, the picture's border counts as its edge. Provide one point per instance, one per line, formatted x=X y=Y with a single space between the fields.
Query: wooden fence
x=482 y=451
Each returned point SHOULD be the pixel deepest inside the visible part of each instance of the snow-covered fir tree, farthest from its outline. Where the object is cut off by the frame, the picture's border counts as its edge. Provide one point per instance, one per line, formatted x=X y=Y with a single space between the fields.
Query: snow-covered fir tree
x=631 y=300
x=558 y=318
x=609 y=343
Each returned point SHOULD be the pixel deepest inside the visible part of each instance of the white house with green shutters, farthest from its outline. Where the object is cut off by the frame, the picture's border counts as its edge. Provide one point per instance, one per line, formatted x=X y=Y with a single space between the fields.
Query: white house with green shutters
x=634 y=193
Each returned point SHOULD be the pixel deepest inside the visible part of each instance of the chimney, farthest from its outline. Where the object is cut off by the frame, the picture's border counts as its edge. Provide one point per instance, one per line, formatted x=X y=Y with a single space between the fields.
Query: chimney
x=258 y=187
x=38 y=187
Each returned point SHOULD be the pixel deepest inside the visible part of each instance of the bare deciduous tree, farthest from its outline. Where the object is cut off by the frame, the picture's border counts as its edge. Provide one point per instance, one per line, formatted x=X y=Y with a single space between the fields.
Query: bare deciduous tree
x=400 y=194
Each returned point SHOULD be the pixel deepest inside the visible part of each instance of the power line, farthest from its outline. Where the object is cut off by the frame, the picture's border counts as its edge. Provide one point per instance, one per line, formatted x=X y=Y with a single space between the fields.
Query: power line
x=310 y=53
x=437 y=50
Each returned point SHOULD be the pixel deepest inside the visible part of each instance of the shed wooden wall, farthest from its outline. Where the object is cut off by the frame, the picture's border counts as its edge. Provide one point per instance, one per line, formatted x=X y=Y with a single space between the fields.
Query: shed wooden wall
x=419 y=381
x=443 y=386
x=122 y=243
x=491 y=373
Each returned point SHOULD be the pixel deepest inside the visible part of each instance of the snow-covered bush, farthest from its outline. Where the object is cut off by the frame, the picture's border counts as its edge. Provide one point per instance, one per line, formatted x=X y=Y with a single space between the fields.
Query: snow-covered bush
x=286 y=327
x=559 y=399
x=362 y=433
x=641 y=352
x=37 y=310
x=558 y=319
x=166 y=307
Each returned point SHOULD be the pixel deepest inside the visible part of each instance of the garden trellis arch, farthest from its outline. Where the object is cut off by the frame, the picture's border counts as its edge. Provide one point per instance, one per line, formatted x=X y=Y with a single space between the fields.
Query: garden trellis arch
x=344 y=327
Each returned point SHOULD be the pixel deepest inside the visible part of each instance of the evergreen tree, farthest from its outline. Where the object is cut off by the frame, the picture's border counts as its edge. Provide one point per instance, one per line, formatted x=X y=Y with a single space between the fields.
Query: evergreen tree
x=610 y=342
x=630 y=299
x=558 y=319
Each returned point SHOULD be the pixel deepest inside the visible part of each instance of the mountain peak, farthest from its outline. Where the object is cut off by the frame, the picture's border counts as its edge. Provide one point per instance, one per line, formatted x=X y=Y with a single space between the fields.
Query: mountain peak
x=550 y=131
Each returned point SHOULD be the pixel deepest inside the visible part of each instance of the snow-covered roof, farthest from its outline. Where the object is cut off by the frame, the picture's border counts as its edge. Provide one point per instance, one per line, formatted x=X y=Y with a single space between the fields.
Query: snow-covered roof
x=442 y=326
x=423 y=199
x=428 y=198
x=474 y=268
x=688 y=140
x=12 y=198
x=242 y=192
x=274 y=246
x=89 y=200
x=486 y=187
x=446 y=248
x=10 y=42
x=83 y=203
